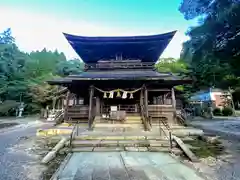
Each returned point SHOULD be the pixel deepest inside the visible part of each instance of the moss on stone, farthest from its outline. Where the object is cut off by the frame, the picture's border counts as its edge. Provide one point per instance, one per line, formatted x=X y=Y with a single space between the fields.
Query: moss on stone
x=204 y=149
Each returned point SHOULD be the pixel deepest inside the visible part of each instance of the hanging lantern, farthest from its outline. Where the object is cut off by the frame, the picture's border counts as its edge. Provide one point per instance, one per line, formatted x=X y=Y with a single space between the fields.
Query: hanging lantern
x=118 y=93
x=131 y=96
x=105 y=95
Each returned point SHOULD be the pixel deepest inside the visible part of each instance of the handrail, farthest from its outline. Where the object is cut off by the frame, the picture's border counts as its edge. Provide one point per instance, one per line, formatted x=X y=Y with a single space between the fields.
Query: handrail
x=169 y=136
x=145 y=118
x=59 y=116
x=73 y=133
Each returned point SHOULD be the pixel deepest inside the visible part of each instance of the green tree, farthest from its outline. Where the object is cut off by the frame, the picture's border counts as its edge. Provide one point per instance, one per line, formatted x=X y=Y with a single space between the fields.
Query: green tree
x=212 y=51
x=171 y=65
x=23 y=76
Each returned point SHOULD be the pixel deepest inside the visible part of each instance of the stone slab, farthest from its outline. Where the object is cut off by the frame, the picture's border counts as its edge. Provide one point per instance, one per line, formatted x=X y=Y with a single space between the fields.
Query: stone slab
x=125 y=166
x=82 y=149
x=108 y=149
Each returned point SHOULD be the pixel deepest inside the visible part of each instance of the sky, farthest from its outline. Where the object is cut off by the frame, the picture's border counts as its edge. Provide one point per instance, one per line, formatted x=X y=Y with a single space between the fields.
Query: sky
x=38 y=24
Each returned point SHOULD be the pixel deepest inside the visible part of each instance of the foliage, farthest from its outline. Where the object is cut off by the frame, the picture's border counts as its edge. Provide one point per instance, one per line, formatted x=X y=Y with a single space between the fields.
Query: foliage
x=171 y=65
x=23 y=76
x=217 y=112
x=65 y=68
x=227 y=111
x=213 y=52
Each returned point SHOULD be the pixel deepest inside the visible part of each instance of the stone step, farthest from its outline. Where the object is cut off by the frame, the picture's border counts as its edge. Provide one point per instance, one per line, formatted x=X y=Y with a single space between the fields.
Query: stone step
x=118 y=137
x=133 y=118
x=121 y=143
x=118 y=125
x=134 y=149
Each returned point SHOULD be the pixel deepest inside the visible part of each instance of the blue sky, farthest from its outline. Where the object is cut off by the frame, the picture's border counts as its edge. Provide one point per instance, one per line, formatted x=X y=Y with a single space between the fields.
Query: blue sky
x=39 y=23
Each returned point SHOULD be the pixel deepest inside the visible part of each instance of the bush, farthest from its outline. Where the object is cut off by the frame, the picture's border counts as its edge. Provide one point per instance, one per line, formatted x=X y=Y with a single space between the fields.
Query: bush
x=217 y=112
x=227 y=111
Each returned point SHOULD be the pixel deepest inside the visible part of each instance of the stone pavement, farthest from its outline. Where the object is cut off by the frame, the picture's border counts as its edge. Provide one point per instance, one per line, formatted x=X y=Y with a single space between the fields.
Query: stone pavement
x=125 y=166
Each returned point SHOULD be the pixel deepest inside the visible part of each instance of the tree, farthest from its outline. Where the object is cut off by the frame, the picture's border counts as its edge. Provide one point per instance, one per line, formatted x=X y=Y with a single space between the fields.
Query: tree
x=171 y=65
x=66 y=68
x=212 y=51
x=23 y=76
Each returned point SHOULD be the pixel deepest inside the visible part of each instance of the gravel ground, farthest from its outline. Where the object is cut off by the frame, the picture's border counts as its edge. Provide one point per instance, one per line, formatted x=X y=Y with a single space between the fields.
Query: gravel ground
x=227 y=166
x=17 y=160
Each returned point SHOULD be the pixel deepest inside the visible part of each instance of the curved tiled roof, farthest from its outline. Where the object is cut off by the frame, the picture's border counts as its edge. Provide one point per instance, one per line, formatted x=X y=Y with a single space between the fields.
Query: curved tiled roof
x=145 y=48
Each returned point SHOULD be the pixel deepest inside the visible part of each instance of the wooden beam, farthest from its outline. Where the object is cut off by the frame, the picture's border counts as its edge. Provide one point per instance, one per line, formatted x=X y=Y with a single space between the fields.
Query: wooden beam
x=66 y=106
x=90 y=106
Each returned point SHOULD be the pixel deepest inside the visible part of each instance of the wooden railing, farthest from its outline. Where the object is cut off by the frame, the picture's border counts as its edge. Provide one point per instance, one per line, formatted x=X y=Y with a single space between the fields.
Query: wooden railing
x=131 y=108
x=145 y=119
x=157 y=111
x=78 y=111
x=167 y=134
x=120 y=65
x=73 y=134
x=90 y=123
x=160 y=112
x=59 y=116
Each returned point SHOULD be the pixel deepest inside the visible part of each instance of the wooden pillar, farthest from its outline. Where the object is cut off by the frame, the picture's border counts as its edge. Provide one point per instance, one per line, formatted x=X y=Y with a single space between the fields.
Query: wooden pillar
x=66 y=106
x=62 y=103
x=58 y=103
x=141 y=97
x=146 y=100
x=164 y=98
x=174 y=107
x=97 y=106
x=173 y=99
x=54 y=103
x=90 y=106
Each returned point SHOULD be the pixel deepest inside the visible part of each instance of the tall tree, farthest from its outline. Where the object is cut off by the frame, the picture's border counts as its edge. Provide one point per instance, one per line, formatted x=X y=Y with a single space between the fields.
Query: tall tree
x=213 y=50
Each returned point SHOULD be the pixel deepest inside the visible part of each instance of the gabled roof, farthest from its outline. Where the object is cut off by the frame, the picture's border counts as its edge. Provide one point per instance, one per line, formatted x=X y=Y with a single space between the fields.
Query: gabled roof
x=145 y=48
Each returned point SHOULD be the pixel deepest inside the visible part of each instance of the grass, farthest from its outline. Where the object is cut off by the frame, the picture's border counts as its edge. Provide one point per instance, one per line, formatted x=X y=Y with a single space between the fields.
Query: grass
x=203 y=149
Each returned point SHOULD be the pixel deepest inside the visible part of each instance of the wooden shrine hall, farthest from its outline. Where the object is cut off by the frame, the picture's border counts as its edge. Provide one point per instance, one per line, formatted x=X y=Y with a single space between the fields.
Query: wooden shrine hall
x=119 y=80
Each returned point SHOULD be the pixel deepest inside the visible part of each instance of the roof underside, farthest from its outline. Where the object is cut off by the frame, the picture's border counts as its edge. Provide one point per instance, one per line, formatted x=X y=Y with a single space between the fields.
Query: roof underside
x=145 y=48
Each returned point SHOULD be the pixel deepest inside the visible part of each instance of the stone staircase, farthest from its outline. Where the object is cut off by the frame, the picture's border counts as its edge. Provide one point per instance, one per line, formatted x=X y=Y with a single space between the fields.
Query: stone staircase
x=129 y=135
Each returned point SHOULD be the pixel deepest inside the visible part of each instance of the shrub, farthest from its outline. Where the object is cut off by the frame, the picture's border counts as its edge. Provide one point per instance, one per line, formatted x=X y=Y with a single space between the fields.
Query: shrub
x=227 y=111
x=217 y=112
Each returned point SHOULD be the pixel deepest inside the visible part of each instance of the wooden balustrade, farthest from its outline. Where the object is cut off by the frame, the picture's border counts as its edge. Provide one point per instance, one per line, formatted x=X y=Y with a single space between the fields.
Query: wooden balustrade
x=78 y=111
x=120 y=65
x=160 y=110
x=132 y=108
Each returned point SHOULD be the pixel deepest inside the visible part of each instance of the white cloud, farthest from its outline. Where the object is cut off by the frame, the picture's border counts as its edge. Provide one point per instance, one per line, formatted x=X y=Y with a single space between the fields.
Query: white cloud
x=36 y=31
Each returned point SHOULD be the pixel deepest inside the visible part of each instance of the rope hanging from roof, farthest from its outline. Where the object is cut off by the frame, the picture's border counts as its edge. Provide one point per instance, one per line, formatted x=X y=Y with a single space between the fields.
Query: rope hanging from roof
x=110 y=94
